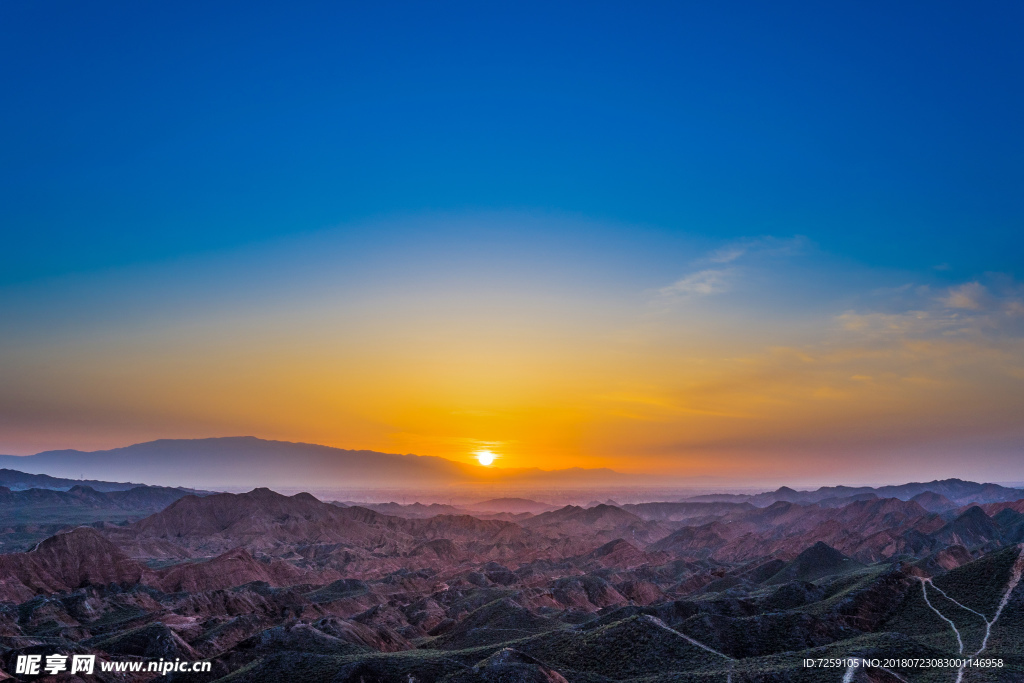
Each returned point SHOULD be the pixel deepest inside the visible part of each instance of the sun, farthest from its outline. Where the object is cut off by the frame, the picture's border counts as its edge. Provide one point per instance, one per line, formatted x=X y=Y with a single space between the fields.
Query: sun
x=485 y=458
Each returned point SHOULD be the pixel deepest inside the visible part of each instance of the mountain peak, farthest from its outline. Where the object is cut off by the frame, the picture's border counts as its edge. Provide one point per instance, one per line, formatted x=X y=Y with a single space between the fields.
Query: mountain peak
x=815 y=562
x=973 y=513
x=263 y=492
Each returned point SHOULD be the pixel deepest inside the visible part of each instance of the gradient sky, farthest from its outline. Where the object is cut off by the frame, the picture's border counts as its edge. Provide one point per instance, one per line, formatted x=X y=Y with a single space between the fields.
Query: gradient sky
x=739 y=242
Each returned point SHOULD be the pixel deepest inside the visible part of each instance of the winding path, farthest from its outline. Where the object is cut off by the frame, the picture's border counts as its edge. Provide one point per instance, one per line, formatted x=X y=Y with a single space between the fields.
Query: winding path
x=1015 y=575
x=661 y=624
x=924 y=591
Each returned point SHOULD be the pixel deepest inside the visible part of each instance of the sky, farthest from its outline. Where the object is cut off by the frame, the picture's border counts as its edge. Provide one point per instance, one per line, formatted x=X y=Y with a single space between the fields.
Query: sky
x=722 y=242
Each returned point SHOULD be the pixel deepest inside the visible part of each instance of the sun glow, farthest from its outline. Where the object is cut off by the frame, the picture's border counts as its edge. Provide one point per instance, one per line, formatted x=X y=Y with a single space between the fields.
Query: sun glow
x=485 y=458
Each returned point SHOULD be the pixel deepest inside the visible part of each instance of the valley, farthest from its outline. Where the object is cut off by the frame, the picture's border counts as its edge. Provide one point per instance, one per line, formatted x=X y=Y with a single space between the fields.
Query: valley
x=274 y=587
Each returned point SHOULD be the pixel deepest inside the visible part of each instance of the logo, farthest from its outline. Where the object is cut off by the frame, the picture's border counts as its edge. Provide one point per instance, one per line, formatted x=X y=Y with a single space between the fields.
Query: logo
x=33 y=665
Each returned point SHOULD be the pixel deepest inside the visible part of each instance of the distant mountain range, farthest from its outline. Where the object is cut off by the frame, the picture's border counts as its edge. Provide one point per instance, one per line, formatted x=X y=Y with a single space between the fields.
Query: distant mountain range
x=22 y=481
x=245 y=461
x=933 y=495
x=28 y=516
x=34 y=506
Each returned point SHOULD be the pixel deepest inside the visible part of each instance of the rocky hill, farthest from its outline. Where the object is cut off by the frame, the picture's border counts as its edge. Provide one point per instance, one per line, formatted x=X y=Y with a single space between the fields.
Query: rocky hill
x=27 y=516
x=273 y=587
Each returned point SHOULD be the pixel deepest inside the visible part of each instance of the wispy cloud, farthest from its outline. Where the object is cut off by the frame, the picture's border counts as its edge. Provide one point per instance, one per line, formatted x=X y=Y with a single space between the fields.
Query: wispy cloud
x=729 y=262
x=969 y=308
x=973 y=296
x=701 y=283
x=727 y=254
x=759 y=246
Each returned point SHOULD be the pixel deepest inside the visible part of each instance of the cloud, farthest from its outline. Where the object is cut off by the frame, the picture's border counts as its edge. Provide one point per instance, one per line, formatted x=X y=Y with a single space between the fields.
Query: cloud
x=971 y=296
x=701 y=283
x=727 y=254
x=760 y=246
x=993 y=310
x=716 y=280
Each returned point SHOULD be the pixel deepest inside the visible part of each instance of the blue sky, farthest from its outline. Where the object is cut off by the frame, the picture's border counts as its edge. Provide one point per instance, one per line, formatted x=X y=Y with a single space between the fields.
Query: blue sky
x=138 y=132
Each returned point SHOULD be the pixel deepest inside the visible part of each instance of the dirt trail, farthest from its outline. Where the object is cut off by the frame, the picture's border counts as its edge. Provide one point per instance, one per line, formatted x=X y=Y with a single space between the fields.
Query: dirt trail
x=924 y=591
x=1011 y=584
x=661 y=624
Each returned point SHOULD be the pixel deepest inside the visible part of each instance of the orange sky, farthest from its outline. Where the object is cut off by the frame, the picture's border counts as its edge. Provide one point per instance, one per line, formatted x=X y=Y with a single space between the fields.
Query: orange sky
x=731 y=369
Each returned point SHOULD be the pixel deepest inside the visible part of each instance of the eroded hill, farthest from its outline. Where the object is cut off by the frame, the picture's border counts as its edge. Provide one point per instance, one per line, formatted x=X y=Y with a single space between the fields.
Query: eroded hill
x=271 y=587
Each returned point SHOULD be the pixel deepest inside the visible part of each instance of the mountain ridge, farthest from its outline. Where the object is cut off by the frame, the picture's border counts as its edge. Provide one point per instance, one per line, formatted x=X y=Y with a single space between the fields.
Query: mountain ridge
x=248 y=461
x=955 y=490
x=263 y=583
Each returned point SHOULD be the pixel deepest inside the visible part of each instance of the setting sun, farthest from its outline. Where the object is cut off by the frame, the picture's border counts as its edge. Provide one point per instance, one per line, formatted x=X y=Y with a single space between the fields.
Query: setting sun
x=485 y=458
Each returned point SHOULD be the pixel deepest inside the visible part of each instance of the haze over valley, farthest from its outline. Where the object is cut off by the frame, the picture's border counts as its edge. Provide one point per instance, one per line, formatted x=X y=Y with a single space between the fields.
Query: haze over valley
x=740 y=586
